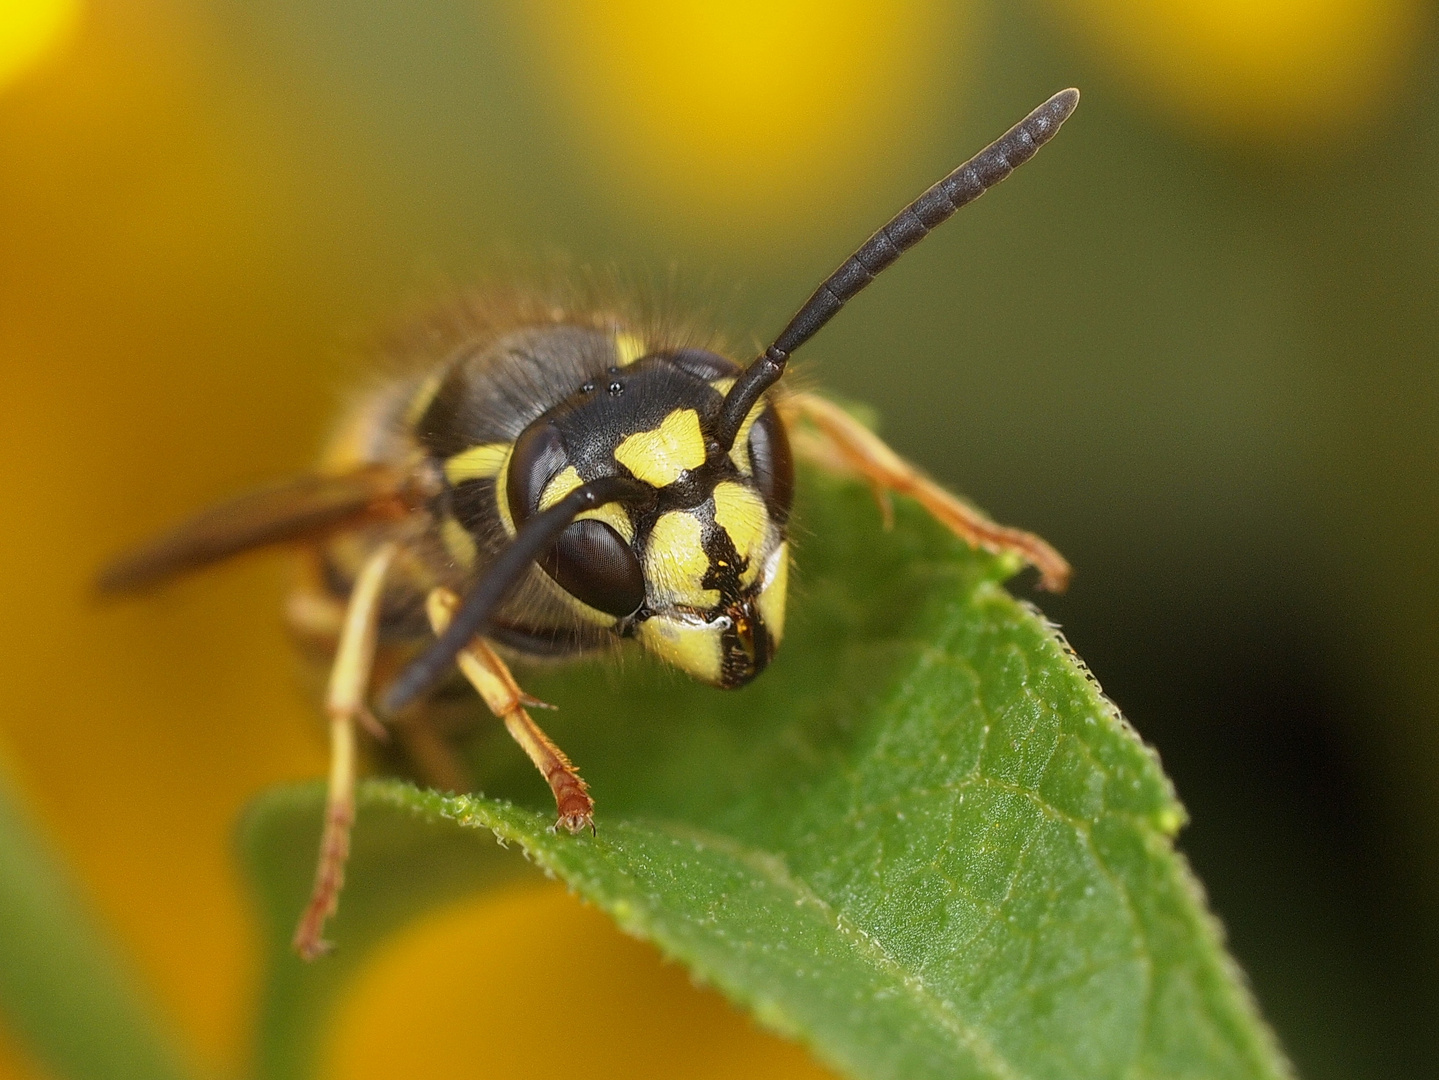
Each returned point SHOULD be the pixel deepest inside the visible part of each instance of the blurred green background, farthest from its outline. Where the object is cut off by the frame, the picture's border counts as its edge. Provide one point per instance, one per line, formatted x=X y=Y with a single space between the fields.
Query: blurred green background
x=1195 y=345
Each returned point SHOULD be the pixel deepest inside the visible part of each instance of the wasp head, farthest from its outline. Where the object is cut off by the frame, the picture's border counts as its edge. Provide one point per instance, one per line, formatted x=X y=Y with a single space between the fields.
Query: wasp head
x=697 y=572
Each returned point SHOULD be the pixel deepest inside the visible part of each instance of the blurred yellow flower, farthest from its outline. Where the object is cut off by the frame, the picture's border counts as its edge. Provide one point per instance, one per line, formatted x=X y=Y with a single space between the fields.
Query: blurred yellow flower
x=530 y=982
x=696 y=107
x=1287 y=70
x=30 y=29
x=140 y=730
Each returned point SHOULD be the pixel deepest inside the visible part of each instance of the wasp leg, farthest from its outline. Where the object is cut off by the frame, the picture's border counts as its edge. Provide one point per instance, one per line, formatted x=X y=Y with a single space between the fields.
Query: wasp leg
x=345 y=705
x=491 y=677
x=316 y=618
x=842 y=443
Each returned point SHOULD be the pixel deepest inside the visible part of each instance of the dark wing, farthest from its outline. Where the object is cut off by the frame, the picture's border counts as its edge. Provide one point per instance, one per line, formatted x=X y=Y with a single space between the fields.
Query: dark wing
x=299 y=509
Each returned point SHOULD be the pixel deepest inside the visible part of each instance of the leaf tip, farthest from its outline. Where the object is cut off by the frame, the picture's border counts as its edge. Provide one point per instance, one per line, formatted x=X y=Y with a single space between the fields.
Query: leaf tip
x=1170 y=819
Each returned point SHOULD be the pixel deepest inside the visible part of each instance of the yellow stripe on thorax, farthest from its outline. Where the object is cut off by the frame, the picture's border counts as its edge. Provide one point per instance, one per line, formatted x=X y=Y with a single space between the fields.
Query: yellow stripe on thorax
x=423 y=396
x=480 y=462
x=459 y=543
x=661 y=456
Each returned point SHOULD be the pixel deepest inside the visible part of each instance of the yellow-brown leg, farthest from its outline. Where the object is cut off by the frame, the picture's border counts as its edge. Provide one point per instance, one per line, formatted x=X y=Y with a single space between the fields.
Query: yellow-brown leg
x=489 y=675
x=316 y=619
x=840 y=442
x=345 y=705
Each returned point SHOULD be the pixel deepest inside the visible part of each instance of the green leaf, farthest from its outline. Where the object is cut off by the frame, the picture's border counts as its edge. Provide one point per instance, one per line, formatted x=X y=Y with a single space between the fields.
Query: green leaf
x=63 y=989
x=923 y=842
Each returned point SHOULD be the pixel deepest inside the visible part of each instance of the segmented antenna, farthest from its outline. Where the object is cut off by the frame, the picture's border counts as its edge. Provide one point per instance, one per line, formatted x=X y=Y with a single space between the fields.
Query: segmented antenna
x=481 y=602
x=907 y=228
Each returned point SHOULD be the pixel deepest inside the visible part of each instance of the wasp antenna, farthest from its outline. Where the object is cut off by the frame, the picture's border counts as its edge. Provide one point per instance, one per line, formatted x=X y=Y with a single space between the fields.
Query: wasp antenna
x=501 y=577
x=904 y=230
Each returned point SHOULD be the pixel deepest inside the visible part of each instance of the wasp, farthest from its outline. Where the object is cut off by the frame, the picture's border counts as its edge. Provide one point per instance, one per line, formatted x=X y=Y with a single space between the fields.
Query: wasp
x=552 y=479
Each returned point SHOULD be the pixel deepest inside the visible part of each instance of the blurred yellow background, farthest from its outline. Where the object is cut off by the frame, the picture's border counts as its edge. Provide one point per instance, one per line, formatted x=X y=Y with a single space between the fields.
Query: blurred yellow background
x=1301 y=71
x=206 y=209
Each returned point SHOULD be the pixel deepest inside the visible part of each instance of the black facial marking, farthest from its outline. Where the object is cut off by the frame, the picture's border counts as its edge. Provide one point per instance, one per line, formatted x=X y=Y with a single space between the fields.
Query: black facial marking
x=746 y=647
x=638 y=399
x=725 y=565
x=694 y=488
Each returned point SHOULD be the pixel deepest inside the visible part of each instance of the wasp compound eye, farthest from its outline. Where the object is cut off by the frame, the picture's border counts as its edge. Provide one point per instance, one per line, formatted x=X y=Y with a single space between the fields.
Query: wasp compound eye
x=593 y=564
x=772 y=464
x=538 y=455
x=706 y=365
x=589 y=560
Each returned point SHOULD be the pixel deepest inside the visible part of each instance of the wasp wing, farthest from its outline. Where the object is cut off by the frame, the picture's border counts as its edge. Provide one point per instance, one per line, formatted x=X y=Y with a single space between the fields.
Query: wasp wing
x=300 y=509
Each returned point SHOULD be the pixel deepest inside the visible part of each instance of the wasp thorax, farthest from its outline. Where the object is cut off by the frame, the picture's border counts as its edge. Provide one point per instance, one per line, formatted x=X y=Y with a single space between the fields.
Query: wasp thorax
x=697 y=573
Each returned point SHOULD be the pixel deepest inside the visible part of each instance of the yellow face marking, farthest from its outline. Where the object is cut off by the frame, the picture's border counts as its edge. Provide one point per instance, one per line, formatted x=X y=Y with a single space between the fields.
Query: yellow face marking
x=676 y=563
x=663 y=455
x=771 y=599
x=740 y=512
x=739 y=452
x=689 y=644
x=458 y=542
x=477 y=463
x=565 y=481
x=613 y=515
x=723 y=385
x=628 y=348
